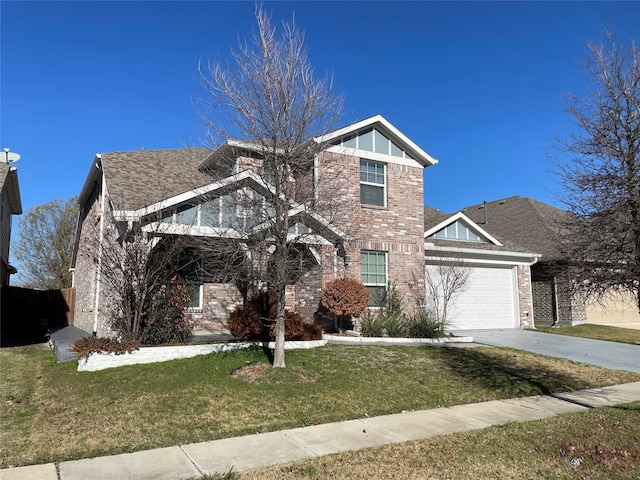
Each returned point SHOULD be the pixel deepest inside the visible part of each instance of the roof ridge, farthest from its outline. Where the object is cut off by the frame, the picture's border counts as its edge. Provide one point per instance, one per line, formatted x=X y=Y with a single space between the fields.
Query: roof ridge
x=155 y=150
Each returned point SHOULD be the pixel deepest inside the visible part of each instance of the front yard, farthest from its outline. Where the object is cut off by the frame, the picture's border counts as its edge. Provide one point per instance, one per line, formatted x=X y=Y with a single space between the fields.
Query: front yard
x=51 y=412
x=597 y=332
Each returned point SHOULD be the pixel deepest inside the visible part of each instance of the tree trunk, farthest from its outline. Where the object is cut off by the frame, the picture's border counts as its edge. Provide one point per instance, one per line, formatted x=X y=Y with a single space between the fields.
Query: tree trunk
x=278 y=355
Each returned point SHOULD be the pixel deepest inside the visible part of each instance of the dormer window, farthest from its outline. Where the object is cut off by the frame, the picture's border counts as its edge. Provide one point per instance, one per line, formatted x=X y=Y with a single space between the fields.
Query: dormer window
x=372 y=183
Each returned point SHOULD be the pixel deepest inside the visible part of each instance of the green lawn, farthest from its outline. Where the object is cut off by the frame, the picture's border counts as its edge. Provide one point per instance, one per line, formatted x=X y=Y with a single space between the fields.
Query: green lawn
x=50 y=412
x=605 y=442
x=597 y=332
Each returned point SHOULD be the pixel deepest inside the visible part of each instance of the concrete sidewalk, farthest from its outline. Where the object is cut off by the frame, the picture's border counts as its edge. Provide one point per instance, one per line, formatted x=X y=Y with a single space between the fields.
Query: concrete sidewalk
x=242 y=453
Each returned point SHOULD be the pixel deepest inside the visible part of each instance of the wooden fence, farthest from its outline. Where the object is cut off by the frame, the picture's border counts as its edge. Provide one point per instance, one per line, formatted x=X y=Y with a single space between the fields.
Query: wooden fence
x=31 y=314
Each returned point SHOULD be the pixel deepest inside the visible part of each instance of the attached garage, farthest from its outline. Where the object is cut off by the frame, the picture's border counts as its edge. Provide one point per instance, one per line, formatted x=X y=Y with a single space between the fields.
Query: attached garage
x=490 y=300
x=497 y=293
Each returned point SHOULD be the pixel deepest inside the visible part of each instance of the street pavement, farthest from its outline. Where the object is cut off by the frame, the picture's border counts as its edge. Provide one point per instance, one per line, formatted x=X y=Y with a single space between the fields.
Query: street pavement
x=613 y=355
x=251 y=451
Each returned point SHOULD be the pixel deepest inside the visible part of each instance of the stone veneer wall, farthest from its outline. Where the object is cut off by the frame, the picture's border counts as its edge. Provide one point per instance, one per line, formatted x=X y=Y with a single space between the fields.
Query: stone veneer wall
x=572 y=308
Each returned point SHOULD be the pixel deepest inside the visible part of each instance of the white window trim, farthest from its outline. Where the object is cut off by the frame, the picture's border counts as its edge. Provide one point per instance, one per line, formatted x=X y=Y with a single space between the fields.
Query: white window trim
x=386 y=271
x=200 y=300
x=383 y=186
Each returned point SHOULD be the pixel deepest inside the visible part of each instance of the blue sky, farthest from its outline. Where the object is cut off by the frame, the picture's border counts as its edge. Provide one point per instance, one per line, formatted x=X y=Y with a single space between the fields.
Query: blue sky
x=479 y=85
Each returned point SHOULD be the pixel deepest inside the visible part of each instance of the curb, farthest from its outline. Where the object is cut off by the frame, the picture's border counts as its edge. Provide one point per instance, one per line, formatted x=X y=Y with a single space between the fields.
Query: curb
x=407 y=342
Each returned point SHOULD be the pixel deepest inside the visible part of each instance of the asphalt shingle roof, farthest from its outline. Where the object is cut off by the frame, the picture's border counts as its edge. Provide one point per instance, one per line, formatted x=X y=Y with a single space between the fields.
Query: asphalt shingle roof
x=524 y=221
x=140 y=178
x=433 y=217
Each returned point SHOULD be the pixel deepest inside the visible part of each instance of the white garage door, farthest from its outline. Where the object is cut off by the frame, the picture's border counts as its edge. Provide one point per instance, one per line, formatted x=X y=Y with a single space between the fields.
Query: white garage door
x=488 y=302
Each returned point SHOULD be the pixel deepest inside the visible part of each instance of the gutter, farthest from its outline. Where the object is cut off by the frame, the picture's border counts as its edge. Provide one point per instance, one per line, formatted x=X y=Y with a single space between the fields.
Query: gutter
x=476 y=255
x=100 y=248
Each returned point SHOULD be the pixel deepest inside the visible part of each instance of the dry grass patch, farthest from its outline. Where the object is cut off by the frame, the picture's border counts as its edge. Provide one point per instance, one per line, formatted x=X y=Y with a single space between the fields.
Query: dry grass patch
x=52 y=412
x=263 y=373
x=602 y=443
x=597 y=332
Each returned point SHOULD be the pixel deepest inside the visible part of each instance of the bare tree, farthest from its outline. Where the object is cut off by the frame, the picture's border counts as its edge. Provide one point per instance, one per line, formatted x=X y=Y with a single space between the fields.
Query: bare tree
x=445 y=279
x=133 y=266
x=270 y=99
x=601 y=179
x=45 y=245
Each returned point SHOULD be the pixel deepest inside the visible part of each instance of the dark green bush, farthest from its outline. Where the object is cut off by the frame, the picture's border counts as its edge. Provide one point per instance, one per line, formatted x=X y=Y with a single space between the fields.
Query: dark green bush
x=384 y=324
x=87 y=345
x=425 y=325
x=372 y=326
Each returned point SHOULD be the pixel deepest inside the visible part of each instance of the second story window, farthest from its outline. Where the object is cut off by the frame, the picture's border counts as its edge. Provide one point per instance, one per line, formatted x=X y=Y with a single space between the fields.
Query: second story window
x=372 y=183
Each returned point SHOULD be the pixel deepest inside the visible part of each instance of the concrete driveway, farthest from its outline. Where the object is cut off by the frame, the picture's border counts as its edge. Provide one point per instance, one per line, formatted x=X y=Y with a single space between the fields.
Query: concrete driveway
x=616 y=356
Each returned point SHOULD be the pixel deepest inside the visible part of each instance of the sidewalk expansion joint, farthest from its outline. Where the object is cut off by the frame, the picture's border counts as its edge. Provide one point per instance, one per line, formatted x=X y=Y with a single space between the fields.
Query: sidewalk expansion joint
x=191 y=460
x=302 y=445
x=570 y=400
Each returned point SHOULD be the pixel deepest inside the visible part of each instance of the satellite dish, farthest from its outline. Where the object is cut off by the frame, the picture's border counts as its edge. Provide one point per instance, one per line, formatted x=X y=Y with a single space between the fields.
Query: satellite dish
x=10 y=157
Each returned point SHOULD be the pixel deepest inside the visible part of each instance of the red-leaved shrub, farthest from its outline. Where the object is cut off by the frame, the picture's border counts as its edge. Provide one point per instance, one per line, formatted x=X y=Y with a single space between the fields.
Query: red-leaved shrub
x=256 y=321
x=87 y=345
x=345 y=298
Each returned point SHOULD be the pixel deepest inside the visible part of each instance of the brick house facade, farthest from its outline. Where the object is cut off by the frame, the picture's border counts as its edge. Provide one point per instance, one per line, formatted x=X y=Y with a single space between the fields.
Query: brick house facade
x=367 y=223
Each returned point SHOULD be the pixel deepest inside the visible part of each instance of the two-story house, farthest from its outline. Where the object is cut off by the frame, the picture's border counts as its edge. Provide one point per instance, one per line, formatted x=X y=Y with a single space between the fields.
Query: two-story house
x=365 y=185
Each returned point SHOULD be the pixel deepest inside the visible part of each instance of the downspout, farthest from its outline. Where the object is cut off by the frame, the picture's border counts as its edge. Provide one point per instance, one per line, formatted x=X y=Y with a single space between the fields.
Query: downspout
x=556 y=306
x=533 y=318
x=100 y=247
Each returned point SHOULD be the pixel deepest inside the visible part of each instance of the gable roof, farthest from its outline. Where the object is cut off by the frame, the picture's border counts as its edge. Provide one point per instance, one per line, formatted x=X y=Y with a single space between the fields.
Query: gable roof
x=467 y=222
x=235 y=182
x=435 y=219
x=417 y=155
x=9 y=183
x=524 y=221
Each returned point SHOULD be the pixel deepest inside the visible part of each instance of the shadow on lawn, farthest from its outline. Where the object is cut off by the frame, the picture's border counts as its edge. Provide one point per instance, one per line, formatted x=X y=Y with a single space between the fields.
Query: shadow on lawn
x=511 y=371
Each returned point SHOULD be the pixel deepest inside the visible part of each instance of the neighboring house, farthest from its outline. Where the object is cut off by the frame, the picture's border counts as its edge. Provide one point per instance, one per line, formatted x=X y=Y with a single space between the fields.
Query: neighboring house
x=10 y=204
x=535 y=225
x=380 y=241
x=498 y=291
